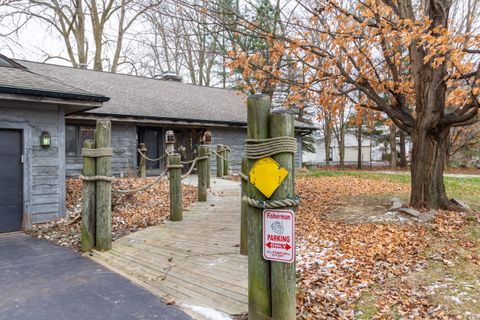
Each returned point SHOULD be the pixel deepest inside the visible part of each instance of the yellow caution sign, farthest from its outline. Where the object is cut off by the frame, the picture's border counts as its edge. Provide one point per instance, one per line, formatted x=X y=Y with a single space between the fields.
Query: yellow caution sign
x=267 y=175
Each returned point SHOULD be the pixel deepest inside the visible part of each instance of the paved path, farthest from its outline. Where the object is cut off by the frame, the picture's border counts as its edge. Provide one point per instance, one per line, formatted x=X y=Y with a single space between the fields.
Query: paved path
x=41 y=281
x=196 y=261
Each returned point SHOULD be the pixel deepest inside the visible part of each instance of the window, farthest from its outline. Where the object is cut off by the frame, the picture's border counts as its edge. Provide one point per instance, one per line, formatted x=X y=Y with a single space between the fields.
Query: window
x=75 y=135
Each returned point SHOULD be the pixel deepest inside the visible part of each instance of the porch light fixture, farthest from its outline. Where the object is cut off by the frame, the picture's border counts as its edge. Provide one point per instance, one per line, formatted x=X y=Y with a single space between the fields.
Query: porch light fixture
x=207 y=137
x=170 y=141
x=45 y=140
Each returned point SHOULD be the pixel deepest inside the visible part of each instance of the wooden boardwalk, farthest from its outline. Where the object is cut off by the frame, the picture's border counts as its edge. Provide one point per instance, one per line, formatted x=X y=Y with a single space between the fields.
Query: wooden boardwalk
x=196 y=262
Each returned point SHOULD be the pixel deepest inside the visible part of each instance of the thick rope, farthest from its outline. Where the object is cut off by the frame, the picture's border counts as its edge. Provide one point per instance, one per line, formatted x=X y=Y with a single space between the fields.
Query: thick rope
x=174 y=166
x=96 y=153
x=150 y=159
x=96 y=178
x=190 y=170
x=243 y=176
x=261 y=148
x=145 y=187
x=272 y=204
x=228 y=160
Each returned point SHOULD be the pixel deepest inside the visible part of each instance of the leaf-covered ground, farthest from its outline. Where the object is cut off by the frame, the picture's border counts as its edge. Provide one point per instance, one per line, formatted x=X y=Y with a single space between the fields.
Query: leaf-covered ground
x=381 y=270
x=130 y=212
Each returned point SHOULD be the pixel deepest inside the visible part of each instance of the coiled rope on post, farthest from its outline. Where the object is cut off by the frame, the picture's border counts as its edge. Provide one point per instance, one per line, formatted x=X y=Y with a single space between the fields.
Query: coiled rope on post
x=272 y=204
x=261 y=148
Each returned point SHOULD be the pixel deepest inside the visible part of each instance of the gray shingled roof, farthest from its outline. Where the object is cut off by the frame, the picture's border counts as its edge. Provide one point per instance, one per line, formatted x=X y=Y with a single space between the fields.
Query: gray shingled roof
x=17 y=80
x=145 y=97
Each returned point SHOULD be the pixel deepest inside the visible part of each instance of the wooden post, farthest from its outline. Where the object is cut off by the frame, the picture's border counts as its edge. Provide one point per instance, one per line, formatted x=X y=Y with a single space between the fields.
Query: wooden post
x=202 y=172
x=88 y=201
x=259 y=302
x=226 y=155
x=209 y=167
x=283 y=274
x=219 y=161
x=175 y=174
x=244 y=221
x=142 y=165
x=103 y=137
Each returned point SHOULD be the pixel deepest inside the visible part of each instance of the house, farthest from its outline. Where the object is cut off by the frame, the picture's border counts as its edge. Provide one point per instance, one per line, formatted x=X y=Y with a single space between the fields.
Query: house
x=143 y=109
x=33 y=108
x=371 y=150
x=47 y=111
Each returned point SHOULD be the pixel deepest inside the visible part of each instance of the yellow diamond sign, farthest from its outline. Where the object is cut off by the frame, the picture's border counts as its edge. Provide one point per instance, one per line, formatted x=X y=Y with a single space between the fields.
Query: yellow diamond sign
x=267 y=175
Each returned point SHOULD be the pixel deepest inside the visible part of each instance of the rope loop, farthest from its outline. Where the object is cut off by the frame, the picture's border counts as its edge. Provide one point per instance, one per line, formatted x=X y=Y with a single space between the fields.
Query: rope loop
x=243 y=176
x=145 y=187
x=96 y=178
x=174 y=166
x=261 y=148
x=223 y=158
x=272 y=204
x=150 y=159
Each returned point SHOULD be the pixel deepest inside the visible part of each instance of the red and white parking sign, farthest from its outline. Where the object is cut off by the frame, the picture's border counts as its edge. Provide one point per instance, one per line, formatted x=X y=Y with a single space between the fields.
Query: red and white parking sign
x=279 y=235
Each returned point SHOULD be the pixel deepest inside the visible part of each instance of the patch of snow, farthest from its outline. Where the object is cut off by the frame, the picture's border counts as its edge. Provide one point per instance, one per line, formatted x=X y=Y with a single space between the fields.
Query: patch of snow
x=208 y=313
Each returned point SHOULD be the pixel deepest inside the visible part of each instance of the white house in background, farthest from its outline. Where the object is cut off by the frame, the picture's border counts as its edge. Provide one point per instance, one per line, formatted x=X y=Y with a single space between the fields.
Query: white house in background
x=372 y=150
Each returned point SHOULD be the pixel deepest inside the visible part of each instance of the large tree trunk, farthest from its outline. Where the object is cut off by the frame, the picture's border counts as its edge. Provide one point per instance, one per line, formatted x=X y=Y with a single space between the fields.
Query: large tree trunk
x=403 y=152
x=428 y=162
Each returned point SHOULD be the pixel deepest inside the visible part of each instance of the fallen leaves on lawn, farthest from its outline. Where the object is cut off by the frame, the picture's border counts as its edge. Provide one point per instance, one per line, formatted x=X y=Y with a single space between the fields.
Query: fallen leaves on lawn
x=130 y=211
x=337 y=261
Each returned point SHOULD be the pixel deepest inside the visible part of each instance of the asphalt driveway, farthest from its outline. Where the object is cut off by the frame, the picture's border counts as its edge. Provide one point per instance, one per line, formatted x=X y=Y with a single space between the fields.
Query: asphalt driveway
x=41 y=281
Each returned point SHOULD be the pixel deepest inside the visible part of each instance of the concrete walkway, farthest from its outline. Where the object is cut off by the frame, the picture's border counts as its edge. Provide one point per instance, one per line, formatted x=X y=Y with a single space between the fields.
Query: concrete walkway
x=195 y=262
x=41 y=281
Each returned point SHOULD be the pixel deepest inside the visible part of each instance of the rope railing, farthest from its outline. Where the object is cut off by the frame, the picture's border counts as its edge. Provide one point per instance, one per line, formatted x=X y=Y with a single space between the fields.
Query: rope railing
x=150 y=159
x=143 y=188
x=226 y=159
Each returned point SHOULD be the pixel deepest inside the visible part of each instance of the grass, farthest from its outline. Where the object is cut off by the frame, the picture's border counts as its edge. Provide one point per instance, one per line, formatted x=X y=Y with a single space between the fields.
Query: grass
x=466 y=189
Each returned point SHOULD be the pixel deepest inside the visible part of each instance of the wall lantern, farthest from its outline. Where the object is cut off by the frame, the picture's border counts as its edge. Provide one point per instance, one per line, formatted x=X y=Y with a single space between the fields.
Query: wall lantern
x=170 y=141
x=45 y=140
x=207 y=137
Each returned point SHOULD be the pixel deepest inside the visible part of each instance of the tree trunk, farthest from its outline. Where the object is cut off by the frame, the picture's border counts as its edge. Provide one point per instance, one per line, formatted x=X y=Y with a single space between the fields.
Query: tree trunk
x=393 y=146
x=328 y=143
x=359 y=148
x=428 y=162
x=403 y=152
x=341 y=147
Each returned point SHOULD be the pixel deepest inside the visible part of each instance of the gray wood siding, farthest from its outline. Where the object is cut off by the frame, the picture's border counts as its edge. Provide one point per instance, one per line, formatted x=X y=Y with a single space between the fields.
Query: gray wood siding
x=235 y=138
x=124 y=159
x=43 y=172
x=124 y=144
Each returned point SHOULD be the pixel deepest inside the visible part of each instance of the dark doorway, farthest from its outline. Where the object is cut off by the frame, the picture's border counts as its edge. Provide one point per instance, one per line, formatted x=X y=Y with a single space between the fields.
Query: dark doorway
x=11 y=181
x=153 y=139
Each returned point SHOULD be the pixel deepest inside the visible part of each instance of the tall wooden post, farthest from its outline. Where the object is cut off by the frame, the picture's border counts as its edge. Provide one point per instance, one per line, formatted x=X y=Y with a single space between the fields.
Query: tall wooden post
x=219 y=161
x=259 y=302
x=175 y=174
x=209 y=167
x=142 y=165
x=103 y=137
x=202 y=168
x=283 y=274
x=243 y=219
x=226 y=155
x=88 y=201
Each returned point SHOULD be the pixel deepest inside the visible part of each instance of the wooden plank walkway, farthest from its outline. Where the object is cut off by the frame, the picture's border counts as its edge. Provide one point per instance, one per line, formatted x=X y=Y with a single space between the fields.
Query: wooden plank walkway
x=196 y=261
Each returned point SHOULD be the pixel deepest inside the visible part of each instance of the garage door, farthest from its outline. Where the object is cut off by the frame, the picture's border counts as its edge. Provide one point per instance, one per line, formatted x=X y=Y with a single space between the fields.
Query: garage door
x=11 y=181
